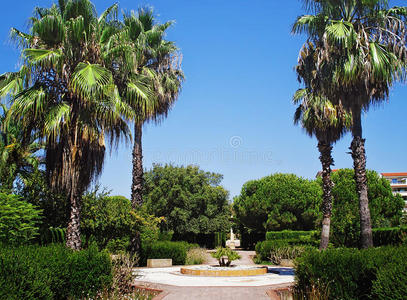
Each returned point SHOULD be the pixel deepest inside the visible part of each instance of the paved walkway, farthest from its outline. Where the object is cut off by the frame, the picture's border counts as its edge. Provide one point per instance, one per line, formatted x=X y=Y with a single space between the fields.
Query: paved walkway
x=177 y=286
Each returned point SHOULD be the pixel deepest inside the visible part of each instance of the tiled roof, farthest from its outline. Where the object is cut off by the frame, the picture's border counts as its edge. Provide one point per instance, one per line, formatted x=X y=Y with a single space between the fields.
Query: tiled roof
x=393 y=174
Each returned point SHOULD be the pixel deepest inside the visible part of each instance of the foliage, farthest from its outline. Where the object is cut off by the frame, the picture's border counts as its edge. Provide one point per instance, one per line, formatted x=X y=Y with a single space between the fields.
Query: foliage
x=177 y=251
x=165 y=235
x=111 y=221
x=18 y=153
x=389 y=236
x=277 y=202
x=349 y=273
x=220 y=239
x=275 y=250
x=19 y=220
x=55 y=206
x=391 y=282
x=52 y=272
x=289 y=234
x=385 y=209
x=66 y=96
x=222 y=253
x=190 y=200
x=123 y=274
x=196 y=256
x=53 y=235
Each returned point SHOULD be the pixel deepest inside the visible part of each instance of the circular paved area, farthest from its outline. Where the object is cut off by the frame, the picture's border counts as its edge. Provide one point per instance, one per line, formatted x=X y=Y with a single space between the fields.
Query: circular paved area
x=176 y=286
x=173 y=276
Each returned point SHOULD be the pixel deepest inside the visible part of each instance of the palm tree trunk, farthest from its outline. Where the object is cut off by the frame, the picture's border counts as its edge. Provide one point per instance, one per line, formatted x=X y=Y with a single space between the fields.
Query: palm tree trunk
x=137 y=183
x=359 y=165
x=73 y=232
x=327 y=161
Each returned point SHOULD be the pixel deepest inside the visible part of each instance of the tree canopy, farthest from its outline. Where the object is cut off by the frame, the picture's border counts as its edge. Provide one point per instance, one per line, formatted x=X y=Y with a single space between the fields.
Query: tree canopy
x=190 y=200
x=385 y=209
x=278 y=202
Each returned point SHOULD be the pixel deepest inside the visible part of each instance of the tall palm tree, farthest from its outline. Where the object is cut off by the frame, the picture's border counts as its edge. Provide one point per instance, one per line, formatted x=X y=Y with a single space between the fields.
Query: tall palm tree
x=149 y=76
x=362 y=51
x=156 y=63
x=327 y=122
x=68 y=96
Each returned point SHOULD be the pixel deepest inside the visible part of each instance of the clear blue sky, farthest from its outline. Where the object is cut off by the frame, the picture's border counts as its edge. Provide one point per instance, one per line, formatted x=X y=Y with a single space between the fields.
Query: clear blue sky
x=234 y=115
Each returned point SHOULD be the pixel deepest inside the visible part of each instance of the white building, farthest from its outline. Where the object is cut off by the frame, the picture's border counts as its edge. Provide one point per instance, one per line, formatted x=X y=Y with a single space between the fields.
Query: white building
x=398 y=183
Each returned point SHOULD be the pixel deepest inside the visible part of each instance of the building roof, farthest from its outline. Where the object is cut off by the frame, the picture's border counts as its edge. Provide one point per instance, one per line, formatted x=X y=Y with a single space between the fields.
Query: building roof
x=394 y=174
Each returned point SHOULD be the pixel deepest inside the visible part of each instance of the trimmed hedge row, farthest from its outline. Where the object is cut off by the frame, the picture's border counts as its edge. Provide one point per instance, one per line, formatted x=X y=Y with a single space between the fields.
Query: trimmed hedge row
x=53 y=272
x=288 y=234
x=266 y=250
x=167 y=249
x=376 y=273
x=389 y=236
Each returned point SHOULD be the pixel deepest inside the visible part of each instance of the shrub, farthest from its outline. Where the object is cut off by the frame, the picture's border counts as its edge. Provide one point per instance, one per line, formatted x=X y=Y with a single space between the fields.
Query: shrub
x=389 y=236
x=196 y=256
x=222 y=253
x=18 y=220
x=165 y=235
x=288 y=234
x=52 y=272
x=264 y=248
x=350 y=273
x=219 y=239
x=391 y=282
x=177 y=251
x=277 y=250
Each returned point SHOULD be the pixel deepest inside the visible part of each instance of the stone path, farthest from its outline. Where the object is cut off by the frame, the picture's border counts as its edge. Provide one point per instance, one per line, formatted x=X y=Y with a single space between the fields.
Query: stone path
x=176 y=286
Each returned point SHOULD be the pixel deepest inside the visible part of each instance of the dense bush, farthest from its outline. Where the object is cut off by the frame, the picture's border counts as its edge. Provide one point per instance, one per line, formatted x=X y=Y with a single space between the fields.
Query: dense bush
x=276 y=250
x=354 y=274
x=277 y=202
x=288 y=234
x=192 y=202
x=389 y=236
x=196 y=256
x=385 y=208
x=110 y=221
x=177 y=251
x=219 y=239
x=18 y=220
x=52 y=272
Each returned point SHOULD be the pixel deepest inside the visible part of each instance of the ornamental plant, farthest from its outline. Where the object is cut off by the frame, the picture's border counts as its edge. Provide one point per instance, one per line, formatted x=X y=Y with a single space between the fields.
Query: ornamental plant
x=225 y=253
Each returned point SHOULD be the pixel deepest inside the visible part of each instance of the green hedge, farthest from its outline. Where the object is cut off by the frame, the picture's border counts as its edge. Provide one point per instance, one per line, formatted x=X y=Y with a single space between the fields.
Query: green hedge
x=288 y=234
x=389 y=236
x=167 y=249
x=280 y=249
x=52 y=272
x=355 y=274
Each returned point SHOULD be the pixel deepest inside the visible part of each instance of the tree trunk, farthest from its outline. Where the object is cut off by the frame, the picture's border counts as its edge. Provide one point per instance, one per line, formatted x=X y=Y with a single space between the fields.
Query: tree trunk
x=73 y=232
x=326 y=161
x=137 y=184
x=137 y=181
x=359 y=164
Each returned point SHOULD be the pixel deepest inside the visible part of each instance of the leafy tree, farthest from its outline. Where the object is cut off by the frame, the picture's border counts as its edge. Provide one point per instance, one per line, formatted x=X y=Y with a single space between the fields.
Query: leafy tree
x=328 y=122
x=68 y=97
x=360 y=50
x=386 y=209
x=191 y=201
x=111 y=221
x=278 y=202
x=18 y=220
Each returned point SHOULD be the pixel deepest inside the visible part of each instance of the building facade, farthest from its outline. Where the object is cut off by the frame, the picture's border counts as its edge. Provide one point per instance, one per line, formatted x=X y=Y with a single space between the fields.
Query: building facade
x=398 y=183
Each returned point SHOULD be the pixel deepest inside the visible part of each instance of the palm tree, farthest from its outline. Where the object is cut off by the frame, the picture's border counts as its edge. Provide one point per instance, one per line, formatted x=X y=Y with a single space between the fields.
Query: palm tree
x=152 y=81
x=361 y=53
x=148 y=74
x=327 y=122
x=68 y=98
